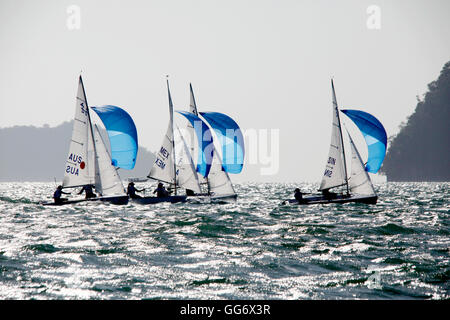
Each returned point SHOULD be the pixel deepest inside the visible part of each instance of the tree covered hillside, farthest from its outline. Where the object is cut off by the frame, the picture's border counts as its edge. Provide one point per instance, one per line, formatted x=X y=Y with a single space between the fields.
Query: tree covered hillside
x=421 y=150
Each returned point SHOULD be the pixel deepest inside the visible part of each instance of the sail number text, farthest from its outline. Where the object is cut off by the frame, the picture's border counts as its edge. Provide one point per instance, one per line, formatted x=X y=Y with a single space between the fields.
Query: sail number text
x=328 y=173
x=74 y=160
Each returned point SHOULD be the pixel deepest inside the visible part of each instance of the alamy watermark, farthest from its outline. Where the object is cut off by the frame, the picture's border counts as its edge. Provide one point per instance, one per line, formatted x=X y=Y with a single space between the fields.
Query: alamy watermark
x=374 y=17
x=234 y=147
x=73 y=21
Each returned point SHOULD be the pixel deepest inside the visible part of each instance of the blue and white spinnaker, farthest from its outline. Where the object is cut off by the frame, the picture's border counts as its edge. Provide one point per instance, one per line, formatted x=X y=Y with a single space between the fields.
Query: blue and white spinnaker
x=122 y=135
x=375 y=136
x=230 y=138
x=205 y=154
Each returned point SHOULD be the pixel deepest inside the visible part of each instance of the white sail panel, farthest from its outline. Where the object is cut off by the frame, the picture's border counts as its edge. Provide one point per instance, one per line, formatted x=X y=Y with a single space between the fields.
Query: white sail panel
x=107 y=180
x=186 y=175
x=163 y=167
x=218 y=180
x=335 y=172
x=359 y=181
x=79 y=169
x=192 y=104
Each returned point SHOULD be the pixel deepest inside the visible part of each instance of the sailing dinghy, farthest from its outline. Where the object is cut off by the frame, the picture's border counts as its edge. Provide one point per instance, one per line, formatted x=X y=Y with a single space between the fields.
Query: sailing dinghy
x=357 y=186
x=88 y=161
x=217 y=184
x=168 y=168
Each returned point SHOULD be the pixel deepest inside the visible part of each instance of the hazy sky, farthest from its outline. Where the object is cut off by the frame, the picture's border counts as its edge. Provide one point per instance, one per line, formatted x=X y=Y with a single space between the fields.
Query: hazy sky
x=267 y=64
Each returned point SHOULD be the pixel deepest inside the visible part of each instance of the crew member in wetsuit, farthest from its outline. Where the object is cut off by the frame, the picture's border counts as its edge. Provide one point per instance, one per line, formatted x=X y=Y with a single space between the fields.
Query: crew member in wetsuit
x=328 y=195
x=299 y=196
x=161 y=192
x=57 y=195
x=190 y=192
x=88 y=190
x=131 y=191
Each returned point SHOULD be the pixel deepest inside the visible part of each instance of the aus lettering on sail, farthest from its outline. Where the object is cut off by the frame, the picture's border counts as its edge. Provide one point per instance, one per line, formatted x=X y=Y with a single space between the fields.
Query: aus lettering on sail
x=163 y=154
x=74 y=161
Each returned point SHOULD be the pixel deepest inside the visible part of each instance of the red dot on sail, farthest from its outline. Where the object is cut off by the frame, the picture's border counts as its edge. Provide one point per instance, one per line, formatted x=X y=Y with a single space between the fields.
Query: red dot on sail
x=82 y=165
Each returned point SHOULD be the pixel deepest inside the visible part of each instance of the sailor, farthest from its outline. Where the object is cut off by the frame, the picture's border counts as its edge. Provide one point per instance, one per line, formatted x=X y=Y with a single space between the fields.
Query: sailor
x=298 y=195
x=131 y=191
x=161 y=192
x=190 y=192
x=88 y=191
x=328 y=195
x=57 y=195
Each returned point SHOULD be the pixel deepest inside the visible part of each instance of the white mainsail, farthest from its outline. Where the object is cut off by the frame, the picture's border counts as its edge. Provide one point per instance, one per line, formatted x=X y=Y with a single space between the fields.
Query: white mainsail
x=80 y=168
x=164 y=167
x=107 y=180
x=359 y=181
x=335 y=169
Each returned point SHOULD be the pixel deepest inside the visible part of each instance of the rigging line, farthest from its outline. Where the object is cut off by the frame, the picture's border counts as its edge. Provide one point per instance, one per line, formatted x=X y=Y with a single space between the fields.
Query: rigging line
x=80 y=143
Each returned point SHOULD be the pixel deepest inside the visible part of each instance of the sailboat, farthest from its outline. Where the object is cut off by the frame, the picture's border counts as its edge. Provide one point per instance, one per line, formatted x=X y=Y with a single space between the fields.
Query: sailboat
x=88 y=161
x=174 y=166
x=356 y=184
x=217 y=183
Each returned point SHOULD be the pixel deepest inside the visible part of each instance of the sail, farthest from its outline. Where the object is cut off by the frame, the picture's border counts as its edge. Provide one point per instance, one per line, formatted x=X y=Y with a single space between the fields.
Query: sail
x=122 y=135
x=107 y=180
x=163 y=167
x=374 y=134
x=230 y=137
x=192 y=104
x=79 y=169
x=186 y=175
x=335 y=170
x=219 y=183
x=204 y=139
x=359 y=180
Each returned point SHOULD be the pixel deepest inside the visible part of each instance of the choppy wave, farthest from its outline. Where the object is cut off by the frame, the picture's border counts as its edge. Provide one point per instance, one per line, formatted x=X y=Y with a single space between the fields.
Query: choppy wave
x=254 y=248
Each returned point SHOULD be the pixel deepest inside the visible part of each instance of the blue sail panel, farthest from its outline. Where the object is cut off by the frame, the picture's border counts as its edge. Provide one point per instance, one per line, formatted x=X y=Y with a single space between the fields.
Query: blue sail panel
x=122 y=135
x=205 y=152
x=231 y=139
x=375 y=136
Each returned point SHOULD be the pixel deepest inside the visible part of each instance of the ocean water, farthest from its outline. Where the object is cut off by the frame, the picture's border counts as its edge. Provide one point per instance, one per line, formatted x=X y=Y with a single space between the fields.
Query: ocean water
x=254 y=248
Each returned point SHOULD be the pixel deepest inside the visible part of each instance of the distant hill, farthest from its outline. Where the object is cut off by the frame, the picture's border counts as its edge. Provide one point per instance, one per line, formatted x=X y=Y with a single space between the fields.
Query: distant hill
x=31 y=153
x=421 y=150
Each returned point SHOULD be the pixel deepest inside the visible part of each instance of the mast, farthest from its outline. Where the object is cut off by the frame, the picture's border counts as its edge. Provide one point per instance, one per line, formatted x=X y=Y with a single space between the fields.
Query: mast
x=90 y=126
x=193 y=107
x=173 y=137
x=340 y=130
